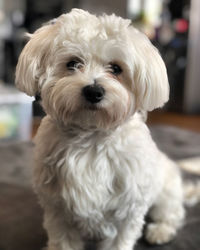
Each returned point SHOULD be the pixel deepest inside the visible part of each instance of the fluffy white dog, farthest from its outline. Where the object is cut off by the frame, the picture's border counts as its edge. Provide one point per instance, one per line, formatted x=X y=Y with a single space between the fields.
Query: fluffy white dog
x=97 y=170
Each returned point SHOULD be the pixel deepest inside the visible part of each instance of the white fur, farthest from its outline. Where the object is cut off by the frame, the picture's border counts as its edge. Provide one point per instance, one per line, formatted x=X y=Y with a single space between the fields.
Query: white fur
x=97 y=171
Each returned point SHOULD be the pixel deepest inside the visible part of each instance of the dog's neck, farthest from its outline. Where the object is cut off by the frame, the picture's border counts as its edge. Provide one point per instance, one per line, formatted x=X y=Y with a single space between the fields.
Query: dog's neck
x=74 y=129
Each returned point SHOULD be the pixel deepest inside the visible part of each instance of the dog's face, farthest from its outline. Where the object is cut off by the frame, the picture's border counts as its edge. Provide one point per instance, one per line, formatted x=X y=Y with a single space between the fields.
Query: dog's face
x=93 y=71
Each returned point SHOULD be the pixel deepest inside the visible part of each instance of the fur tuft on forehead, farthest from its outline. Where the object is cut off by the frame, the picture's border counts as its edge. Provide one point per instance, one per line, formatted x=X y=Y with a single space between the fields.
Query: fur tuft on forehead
x=78 y=23
x=82 y=24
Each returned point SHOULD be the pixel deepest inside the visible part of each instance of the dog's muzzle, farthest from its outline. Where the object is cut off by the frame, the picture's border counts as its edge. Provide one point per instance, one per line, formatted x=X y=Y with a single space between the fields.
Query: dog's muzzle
x=93 y=93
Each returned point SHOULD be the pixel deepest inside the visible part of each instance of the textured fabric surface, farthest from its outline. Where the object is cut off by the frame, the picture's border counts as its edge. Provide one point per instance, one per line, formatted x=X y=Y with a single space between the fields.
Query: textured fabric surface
x=176 y=142
x=21 y=215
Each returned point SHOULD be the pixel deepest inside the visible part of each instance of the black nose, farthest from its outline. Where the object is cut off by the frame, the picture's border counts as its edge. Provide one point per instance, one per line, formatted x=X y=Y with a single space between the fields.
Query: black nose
x=93 y=93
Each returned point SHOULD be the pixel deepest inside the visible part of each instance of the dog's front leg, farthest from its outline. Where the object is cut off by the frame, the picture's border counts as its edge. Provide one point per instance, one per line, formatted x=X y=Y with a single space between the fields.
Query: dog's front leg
x=127 y=236
x=61 y=236
x=167 y=214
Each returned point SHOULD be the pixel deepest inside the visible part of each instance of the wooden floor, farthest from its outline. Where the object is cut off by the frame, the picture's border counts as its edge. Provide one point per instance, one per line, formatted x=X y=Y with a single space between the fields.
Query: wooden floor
x=190 y=122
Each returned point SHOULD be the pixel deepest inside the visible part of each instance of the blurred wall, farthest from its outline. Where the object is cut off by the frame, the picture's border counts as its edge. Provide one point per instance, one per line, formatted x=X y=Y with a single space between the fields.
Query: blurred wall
x=192 y=85
x=119 y=7
x=9 y=5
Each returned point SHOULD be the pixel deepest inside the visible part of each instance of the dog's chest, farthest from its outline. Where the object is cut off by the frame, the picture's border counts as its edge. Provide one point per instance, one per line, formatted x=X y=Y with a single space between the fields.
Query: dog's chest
x=100 y=178
x=91 y=177
x=97 y=179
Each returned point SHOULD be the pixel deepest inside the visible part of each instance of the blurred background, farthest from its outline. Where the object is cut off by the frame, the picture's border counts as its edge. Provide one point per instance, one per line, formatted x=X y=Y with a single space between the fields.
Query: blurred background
x=172 y=25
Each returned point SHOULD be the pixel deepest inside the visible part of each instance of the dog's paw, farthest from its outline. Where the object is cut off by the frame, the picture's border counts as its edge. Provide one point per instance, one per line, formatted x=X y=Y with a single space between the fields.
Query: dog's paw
x=159 y=233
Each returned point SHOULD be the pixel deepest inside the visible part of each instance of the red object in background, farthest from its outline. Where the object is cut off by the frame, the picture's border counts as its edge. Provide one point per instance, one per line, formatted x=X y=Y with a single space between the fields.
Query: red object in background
x=181 y=25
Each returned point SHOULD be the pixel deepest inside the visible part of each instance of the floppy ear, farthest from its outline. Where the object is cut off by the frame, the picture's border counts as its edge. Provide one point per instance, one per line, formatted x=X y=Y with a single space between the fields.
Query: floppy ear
x=30 y=70
x=150 y=76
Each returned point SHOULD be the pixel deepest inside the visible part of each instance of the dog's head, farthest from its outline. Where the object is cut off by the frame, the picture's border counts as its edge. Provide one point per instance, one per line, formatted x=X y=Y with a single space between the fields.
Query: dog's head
x=94 y=71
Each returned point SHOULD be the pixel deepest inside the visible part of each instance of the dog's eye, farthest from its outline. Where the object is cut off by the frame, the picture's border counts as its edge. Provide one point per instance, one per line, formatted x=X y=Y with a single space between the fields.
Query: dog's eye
x=73 y=64
x=115 y=69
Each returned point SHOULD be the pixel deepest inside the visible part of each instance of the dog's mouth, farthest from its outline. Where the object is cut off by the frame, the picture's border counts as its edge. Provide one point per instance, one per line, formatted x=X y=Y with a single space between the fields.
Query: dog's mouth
x=92 y=107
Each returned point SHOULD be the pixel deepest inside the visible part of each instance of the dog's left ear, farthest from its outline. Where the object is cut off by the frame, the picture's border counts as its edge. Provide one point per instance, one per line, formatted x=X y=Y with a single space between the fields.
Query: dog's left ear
x=150 y=77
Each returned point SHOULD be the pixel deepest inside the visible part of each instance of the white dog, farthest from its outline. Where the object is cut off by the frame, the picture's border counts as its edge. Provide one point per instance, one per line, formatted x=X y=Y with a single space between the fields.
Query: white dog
x=97 y=170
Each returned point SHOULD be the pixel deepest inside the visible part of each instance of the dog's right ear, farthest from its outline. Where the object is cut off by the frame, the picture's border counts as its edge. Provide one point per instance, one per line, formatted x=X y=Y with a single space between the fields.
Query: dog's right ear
x=30 y=70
